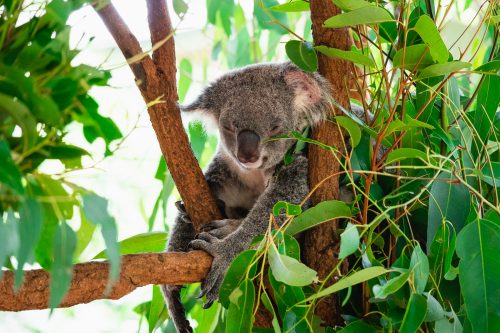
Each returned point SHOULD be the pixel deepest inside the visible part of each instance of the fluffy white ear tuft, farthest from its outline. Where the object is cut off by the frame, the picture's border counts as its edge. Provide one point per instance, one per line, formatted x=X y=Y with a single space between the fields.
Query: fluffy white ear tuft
x=308 y=92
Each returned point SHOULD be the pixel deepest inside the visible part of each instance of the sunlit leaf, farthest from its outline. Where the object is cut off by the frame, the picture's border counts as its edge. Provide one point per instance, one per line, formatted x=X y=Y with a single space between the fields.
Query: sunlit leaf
x=350 y=280
x=404 y=153
x=349 y=241
x=413 y=57
x=289 y=270
x=391 y=286
x=348 y=5
x=443 y=69
x=322 y=212
x=427 y=30
x=185 y=78
x=292 y=6
x=370 y=15
x=352 y=128
x=241 y=268
x=142 y=243
x=352 y=56
x=420 y=266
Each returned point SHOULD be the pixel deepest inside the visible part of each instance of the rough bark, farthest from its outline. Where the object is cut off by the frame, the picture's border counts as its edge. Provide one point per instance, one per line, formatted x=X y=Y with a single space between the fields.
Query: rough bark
x=90 y=279
x=157 y=82
x=321 y=244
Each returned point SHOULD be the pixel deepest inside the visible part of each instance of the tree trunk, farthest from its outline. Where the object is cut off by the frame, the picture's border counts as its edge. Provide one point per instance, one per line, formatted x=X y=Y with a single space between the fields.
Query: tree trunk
x=321 y=244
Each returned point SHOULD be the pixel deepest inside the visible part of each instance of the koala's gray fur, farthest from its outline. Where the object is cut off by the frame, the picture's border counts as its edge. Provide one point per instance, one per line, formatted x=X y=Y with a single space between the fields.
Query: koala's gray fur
x=268 y=100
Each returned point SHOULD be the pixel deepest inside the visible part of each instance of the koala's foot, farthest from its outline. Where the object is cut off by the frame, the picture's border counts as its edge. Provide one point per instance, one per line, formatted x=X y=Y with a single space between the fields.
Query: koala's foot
x=221 y=228
x=223 y=251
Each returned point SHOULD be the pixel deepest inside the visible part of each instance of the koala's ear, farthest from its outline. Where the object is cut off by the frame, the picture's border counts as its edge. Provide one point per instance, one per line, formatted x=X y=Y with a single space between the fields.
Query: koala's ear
x=202 y=104
x=312 y=93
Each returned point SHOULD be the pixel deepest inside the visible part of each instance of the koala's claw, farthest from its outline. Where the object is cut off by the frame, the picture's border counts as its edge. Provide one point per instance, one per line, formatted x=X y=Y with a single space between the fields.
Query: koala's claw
x=180 y=207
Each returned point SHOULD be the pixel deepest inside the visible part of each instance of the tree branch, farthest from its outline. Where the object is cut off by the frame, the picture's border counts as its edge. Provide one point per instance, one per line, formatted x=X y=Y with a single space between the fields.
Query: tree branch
x=157 y=83
x=90 y=279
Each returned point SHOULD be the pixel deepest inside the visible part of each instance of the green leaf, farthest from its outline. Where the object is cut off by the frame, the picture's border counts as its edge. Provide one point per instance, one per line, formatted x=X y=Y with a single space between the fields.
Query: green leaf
x=442 y=249
x=488 y=100
x=22 y=117
x=427 y=30
x=240 y=313
x=322 y=212
x=355 y=57
x=302 y=54
x=420 y=266
x=491 y=67
x=349 y=241
x=414 y=315
x=434 y=309
x=185 y=77
x=415 y=57
x=290 y=209
x=242 y=268
x=443 y=69
x=269 y=307
x=292 y=6
x=9 y=238
x=444 y=195
x=54 y=193
x=9 y=173
x=349 y=5
x=352 y=128
x=491 y=173
x=404 y=153
x=30 y=225
x=61 y=273
x=289 y=270
x=157 y=310
x=180 y=7
x=95 y=209
x=478 y=246
x=370 y=15
x=391 y=286
x=358 y=326
x=142 y=243
x=349 y=281
x=263 y=16
x=84 y=234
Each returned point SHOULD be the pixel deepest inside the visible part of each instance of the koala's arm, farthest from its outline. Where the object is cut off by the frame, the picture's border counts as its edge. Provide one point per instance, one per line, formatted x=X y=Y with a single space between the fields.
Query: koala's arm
x=288 y=184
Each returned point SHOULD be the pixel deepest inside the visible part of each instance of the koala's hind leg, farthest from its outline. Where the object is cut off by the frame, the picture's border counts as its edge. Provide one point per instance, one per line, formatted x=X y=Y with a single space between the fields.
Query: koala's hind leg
x=180 y=236
x=221 y=228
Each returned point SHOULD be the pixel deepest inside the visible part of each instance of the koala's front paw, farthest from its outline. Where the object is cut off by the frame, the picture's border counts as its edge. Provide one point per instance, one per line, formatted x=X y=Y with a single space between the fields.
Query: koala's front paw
x=221 y=228
x=223 y=251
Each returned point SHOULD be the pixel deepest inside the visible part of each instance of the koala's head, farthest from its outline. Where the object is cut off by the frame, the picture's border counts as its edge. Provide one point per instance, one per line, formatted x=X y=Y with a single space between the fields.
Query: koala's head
x=253 y=104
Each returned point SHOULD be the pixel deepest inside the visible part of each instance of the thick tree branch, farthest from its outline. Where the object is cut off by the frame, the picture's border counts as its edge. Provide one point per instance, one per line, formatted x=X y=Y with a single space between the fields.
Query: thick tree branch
x=321 y=244
x=90 y=279
x=157 y=83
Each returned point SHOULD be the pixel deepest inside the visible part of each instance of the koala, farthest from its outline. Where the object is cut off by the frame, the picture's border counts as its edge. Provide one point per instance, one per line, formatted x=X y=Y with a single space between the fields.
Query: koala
x=247 y=174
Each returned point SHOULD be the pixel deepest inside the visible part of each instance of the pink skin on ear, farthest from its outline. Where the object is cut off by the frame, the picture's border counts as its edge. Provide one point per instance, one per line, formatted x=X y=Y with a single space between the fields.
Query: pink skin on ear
x=307 y=90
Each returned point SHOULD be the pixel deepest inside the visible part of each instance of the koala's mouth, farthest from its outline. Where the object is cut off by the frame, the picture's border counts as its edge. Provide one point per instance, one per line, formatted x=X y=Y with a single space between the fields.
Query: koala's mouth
x=251 y=165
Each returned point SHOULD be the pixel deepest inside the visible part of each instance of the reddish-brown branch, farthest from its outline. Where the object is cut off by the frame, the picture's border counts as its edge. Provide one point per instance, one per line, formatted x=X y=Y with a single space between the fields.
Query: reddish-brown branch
x=90 y=279
x=157 y=83
x=321 y=244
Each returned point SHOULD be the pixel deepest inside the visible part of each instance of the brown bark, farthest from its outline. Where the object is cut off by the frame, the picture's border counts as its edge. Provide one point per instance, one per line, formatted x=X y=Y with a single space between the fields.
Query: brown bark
x=157 y=82
x=321 y=244
x=90 y=279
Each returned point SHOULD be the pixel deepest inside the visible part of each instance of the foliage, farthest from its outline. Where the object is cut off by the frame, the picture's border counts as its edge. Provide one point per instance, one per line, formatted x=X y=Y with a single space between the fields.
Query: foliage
x=41 y=95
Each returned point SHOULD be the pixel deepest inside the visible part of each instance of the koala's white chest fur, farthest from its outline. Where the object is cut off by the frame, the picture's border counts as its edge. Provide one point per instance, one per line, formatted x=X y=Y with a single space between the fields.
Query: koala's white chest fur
x=244 y=192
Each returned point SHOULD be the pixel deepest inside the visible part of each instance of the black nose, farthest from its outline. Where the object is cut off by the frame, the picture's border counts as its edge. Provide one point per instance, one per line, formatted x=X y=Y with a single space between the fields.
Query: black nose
x=248 y=146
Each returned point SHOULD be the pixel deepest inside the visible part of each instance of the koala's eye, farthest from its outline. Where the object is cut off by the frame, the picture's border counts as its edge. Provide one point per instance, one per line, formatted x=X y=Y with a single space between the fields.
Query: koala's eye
x=275 y=130
x=228 y=128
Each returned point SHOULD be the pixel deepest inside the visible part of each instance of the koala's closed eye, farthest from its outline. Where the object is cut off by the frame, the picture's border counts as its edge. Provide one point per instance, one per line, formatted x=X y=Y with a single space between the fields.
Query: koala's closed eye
x=275 y=130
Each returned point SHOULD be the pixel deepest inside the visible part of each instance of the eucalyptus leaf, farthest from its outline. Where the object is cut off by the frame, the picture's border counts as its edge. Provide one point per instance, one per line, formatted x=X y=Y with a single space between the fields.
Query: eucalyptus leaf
x=369 y=15
x=355 y=57
x=427 y=30
x=240 y=313
x=154 y=241
x=289 y=270
x=302 y=54
x=322 y=212
x=478 y=246
x=349 y=241
x=292 y=6
x=414 y=315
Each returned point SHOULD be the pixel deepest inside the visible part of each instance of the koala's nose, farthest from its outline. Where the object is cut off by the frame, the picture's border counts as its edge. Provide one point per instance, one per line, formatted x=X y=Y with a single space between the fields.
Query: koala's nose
x=248 y=146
